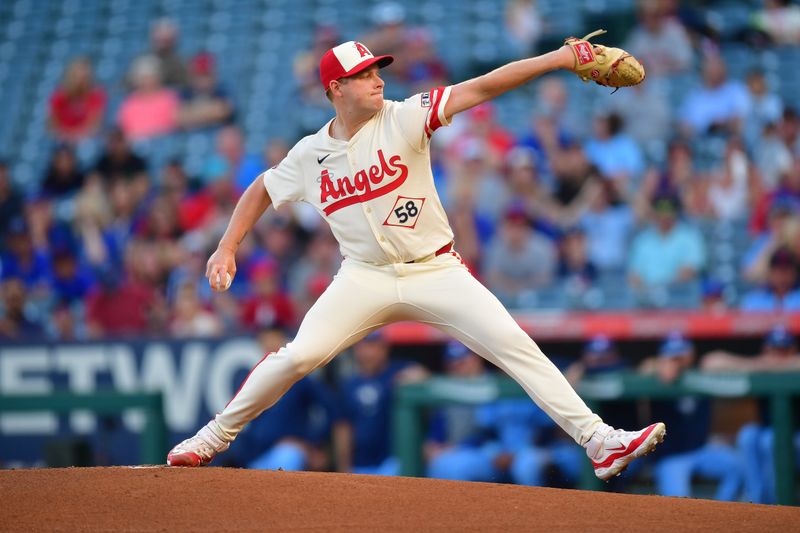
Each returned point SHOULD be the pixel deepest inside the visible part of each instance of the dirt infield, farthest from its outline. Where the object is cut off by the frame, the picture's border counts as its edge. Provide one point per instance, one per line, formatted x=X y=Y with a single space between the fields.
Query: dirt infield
x=220 y=499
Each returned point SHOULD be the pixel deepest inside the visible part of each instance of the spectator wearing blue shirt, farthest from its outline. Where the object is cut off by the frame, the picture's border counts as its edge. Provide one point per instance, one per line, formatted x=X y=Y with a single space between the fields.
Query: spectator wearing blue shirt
x=231 y=162
x=615 y=154
x=667 y=255
x=694 y=453
x=719 y=105
x=780 y=293
x=290 y=434
x=608 y=224
x=362 y=437
x=22 y=259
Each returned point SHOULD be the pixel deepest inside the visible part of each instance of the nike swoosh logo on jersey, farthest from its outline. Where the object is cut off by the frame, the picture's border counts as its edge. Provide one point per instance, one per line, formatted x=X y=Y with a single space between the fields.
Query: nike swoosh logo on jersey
x=321 y=159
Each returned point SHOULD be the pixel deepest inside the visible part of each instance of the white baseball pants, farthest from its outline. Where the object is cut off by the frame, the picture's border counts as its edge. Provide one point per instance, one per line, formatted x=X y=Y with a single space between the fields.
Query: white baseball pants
x=440 y=292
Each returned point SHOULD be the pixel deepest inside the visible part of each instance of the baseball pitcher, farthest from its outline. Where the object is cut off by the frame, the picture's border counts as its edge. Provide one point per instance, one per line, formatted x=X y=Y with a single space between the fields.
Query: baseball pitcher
x=368 y=173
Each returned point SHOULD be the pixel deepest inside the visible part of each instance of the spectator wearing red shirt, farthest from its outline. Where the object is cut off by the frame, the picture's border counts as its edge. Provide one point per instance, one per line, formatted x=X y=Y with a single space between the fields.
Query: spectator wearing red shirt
x=78 y=104
x=269 y=306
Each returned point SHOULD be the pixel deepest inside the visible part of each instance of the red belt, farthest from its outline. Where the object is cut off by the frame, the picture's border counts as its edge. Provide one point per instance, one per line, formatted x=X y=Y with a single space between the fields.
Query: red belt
x=443 y=250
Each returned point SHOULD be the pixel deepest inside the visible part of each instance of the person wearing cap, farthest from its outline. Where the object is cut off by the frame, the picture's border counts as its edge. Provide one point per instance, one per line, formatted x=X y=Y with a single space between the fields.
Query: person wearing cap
x=667 y=253
x=204 y=102
x=518 y=258
x=697 y=453
x=367 y=172
x=781 y=291
x=502 y=440
x=362 y=434
x=755 y=440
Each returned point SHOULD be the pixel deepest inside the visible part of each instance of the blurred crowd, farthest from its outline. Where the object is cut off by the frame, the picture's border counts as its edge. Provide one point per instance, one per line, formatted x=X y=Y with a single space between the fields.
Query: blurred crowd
x=605 y=209
x=631 y=202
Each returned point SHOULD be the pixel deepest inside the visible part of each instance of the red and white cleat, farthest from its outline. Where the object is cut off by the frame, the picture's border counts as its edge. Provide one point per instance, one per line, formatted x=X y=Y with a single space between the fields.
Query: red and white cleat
x=612 y=449
x=198 y=450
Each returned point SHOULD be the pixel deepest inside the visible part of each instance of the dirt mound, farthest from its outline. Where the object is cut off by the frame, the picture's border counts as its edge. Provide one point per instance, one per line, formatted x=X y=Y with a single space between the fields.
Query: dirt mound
x=221 y=499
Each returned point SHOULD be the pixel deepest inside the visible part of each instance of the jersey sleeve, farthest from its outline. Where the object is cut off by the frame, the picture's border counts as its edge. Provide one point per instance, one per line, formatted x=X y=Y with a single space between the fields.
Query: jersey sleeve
x=284 y=181
x=422 y=114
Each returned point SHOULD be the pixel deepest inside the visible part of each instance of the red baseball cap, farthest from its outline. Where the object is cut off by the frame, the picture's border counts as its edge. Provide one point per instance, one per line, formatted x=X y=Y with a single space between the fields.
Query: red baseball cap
x=347 y=59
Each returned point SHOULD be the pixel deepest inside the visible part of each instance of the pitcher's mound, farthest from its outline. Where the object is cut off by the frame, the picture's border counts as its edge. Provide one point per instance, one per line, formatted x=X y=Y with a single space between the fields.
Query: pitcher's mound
x=222 y=499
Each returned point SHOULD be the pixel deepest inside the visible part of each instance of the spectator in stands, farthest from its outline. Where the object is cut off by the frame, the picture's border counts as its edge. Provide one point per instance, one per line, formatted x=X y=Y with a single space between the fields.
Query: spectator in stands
x=484 y=130
x=780 y=293
x=164 y=50
x=14 y=322
x=204 y=103
x=733 y=186
x=772 y=157
x=677 y=178
x=787 y=191
x=231 y=160
x=78 y=104
x=160 y=231
x=719 y=106
x=526 y=188
x=314 y=270
x=504 y=439
x=660 y=41
x=478 y=179
x=789 y=128
x=576 y=272
x=190 y=318
x=608 y=224
x=390 y=35
x=765 y=107
x=647 y=116
x=71 y=280
x=150 y=109
x=518 y=258
x=63 y=177
x=778 y=22
x=783 y=231
x=696 y=454
x=615 y=154
x=125 y=303
x=11 y=203
x=756 y=441
x=524 y=26
x=291 y=434
x=577 y=181
x=422 y=67
x=363 y=435
x=668 y=253
x=268 y=305
x=313 y=105
x=22 y=259
x=119 y=162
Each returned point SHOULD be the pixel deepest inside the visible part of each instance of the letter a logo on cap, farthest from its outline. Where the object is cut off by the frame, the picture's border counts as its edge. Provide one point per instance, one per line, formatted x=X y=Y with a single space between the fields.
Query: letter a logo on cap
x=363 y=50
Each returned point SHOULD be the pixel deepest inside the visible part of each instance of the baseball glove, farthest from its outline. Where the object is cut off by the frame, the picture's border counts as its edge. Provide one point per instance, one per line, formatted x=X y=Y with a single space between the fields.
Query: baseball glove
x=611 y=67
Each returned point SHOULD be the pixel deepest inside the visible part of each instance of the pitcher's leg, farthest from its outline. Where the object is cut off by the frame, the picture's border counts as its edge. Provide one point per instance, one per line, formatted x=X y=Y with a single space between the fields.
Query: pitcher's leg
x=454 y=301
x=353 y=305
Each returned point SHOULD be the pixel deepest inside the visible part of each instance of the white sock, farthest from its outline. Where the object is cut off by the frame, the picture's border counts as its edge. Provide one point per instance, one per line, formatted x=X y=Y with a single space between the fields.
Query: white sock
x=596 y=440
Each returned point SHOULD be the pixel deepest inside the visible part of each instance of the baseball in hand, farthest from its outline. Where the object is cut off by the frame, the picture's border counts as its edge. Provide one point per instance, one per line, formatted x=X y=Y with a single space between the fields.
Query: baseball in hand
x=218 y=286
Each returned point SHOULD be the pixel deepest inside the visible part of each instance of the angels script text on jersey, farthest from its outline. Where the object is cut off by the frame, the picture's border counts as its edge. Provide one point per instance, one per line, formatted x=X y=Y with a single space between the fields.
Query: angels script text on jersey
x=346 y=191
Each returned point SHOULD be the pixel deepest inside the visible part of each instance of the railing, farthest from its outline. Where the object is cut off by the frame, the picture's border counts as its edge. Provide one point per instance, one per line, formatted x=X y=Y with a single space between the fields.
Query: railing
x=779 y=389
x=153 y=438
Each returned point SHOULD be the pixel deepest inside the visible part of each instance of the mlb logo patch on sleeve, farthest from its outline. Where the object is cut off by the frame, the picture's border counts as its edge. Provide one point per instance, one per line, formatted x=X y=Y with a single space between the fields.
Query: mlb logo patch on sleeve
x=426 y=99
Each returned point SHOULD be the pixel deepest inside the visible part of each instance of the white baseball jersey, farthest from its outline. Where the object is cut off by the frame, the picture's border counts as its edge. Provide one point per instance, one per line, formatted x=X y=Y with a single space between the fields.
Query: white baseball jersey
x=376 y=190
